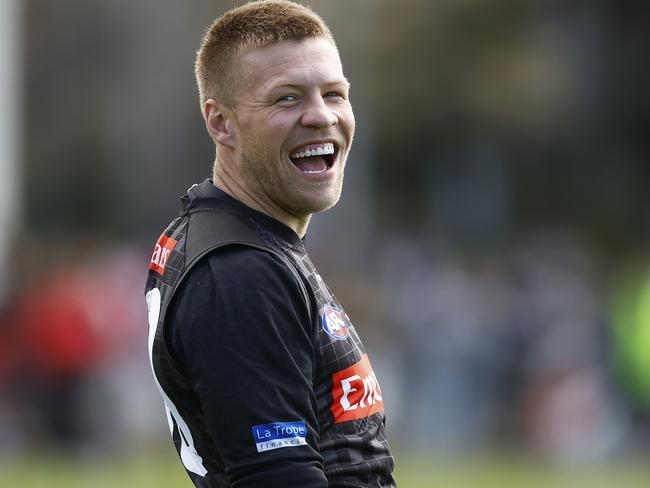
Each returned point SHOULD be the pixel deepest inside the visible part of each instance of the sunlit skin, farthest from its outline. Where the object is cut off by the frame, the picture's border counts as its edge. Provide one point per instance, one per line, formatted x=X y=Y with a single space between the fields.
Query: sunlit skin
x=289 y=94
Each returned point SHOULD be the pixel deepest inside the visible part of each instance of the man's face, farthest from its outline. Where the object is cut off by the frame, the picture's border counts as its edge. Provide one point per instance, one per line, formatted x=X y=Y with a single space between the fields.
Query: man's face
x=294 y=124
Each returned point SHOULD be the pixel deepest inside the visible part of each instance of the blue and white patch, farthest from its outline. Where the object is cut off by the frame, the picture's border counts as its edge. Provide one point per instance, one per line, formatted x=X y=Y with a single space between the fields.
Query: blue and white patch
x=335 y=322
x=279 y=434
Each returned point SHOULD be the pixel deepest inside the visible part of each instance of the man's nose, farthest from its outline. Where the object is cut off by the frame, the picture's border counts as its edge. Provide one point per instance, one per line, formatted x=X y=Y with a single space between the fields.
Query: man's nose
x=318 y=114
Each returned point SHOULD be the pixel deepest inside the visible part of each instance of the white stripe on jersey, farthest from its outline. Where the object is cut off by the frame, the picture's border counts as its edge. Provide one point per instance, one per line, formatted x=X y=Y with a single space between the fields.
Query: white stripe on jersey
x=191 y=459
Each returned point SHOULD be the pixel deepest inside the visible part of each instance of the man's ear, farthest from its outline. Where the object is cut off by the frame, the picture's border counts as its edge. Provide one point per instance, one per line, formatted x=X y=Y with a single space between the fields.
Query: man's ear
x=218 y=121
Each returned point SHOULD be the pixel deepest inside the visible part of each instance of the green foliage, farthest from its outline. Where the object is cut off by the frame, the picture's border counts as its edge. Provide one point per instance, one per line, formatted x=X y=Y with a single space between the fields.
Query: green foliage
x=631 y=320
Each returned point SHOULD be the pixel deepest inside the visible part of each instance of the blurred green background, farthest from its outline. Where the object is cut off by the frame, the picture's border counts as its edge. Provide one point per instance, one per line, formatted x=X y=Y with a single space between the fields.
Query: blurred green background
x=491 y=245
x=164 y=472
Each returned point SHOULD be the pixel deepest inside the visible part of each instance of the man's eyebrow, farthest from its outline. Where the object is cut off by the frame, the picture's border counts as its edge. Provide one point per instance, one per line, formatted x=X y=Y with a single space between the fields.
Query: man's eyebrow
x=287 y=84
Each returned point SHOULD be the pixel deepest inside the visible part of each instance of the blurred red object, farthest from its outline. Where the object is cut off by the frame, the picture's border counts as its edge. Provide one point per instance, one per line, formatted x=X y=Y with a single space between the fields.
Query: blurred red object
x=54 y=333
x=76 y=318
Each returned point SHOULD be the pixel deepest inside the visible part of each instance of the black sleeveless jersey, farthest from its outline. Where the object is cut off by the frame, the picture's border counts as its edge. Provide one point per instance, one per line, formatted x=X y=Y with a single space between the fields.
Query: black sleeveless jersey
x=264 y=379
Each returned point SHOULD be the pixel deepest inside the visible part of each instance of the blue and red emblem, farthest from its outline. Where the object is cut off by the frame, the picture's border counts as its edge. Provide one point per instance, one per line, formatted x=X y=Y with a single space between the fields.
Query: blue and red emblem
x=335 y=322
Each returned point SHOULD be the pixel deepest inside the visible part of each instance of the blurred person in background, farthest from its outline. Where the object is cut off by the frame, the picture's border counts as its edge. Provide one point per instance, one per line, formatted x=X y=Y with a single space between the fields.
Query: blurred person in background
x=264 y=379
x=61 y=336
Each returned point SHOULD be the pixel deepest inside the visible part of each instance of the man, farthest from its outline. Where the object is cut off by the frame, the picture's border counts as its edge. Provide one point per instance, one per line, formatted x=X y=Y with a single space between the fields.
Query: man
x=264 y=379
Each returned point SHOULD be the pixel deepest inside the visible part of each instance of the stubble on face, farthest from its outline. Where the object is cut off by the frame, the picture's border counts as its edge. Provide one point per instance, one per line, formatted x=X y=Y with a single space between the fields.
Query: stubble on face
x=266 y=173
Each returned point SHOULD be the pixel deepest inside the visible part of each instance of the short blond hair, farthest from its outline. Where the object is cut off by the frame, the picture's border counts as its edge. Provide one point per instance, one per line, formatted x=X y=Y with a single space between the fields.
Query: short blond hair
x=253 y=25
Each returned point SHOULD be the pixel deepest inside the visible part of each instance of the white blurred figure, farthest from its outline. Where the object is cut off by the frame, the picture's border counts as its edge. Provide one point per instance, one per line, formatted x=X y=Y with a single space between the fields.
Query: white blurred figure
x=10 y=131
x=10 y=138
x=568 y=408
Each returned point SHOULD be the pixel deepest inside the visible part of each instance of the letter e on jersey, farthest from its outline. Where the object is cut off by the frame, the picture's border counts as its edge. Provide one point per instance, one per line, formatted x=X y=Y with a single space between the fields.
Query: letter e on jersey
x=356 y=392
x=161 y=253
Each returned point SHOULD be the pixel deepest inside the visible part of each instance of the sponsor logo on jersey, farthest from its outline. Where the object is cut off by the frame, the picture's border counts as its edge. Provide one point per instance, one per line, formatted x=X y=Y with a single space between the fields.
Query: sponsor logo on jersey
x=356 y=392
x=335 y=322
x=279 y=434
x=161 y=253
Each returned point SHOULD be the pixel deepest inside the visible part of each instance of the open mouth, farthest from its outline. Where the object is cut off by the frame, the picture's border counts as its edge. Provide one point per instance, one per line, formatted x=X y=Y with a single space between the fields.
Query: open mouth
x=314 y=159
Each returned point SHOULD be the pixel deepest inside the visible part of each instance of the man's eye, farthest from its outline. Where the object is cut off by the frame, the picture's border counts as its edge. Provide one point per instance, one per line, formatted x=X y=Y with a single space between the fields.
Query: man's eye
x=287 y=98
x=333 y=94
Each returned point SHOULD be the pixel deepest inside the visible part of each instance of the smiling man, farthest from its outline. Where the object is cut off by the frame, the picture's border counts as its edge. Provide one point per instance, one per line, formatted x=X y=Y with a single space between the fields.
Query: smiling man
x=264 y=379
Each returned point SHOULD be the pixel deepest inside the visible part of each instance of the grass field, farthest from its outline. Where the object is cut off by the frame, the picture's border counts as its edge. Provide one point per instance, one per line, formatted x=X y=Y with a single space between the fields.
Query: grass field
x=164 y=471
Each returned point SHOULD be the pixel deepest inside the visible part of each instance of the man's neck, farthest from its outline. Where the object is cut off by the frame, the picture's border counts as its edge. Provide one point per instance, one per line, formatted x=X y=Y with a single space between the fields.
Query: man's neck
x=237 y=191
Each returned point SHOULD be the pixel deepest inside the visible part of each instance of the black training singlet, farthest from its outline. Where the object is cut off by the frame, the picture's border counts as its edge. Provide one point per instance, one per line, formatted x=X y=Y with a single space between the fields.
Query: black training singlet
x=264 y=379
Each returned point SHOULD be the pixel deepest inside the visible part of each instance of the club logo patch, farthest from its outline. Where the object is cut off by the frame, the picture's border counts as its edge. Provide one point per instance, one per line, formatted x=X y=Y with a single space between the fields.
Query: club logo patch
x=335 y=322
x=279 y=434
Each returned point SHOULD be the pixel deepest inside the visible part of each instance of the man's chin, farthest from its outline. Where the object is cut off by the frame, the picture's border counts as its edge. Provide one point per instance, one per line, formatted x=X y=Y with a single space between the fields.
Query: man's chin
x=328 y=206
x=309 y=206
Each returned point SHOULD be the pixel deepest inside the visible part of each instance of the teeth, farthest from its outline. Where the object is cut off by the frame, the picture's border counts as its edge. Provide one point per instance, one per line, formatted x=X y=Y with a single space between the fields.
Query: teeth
x=327 y=148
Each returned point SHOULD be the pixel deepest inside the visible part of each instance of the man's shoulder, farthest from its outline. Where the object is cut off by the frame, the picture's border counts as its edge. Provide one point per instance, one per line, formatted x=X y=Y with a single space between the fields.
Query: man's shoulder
x=241 y=263
x=238 y=279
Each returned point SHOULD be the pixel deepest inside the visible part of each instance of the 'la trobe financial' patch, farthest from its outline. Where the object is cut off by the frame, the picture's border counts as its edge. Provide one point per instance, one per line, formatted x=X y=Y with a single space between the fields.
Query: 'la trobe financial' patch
x=279 y=434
